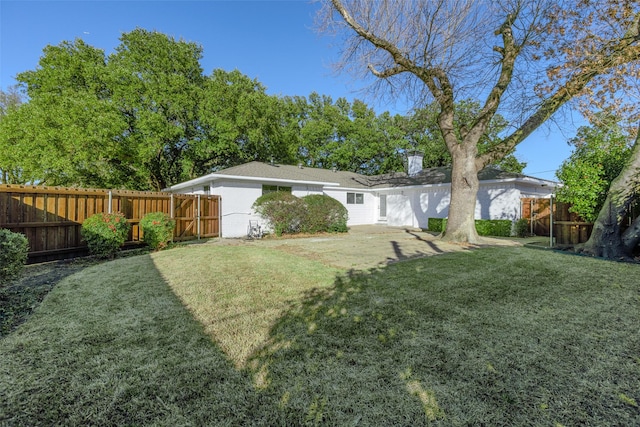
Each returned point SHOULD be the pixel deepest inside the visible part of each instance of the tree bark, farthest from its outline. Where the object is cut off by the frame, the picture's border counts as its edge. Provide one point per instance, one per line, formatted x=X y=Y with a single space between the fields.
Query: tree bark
x=607 y=239
x=461 y=226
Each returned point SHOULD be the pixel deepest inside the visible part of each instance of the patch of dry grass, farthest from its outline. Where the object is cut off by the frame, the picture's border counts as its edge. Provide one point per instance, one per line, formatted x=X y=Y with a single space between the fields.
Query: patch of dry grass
x=238 y=292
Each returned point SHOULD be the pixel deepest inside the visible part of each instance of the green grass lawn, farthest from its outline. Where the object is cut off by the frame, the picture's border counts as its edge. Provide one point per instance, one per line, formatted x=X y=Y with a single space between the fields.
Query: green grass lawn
x=243 y=335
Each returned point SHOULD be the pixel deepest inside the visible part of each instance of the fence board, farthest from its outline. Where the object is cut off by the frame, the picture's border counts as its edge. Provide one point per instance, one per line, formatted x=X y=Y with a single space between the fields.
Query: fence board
x=568 y=228
x=51 y=217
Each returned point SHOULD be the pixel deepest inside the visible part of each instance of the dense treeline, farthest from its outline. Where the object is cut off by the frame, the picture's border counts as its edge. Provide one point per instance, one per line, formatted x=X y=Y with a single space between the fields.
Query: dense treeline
x=146 y=117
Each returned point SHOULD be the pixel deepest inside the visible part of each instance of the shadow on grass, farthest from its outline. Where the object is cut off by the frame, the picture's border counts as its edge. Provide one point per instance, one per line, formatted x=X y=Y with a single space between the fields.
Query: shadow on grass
x=474 y=338
x=459 y=339
x=101 y=350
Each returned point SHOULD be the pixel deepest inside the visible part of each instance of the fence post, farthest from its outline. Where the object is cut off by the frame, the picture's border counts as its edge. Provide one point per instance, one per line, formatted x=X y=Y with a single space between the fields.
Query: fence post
x=109 y=209
x=531 y=214
x=198 y=218
x=551 y=221
x=171 y=213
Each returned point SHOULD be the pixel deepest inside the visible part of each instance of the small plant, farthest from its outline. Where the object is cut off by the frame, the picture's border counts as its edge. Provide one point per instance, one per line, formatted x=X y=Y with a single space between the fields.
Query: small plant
x=157 y=229
x=105 y=233
x=521 y=227
x=13 y=254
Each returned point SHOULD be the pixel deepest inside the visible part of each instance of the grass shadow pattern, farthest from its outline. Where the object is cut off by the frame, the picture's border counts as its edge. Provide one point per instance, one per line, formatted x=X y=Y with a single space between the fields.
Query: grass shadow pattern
x=471 y=338
x=461 y=339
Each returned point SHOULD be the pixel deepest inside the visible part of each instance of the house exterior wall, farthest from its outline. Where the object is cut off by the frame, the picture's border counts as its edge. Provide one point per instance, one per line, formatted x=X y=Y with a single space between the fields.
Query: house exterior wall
x=359 y=214
x=414 y=206
x=237 y=201
x=410 y=206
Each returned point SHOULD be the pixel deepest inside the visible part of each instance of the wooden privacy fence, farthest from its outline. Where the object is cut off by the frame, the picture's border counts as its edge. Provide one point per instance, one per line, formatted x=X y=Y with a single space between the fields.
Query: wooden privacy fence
x=51 y=217
x=568 y=228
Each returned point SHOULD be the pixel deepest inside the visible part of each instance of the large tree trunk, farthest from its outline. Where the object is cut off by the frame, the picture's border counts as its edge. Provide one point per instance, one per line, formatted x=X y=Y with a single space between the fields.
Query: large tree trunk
x=607 y=239
x=461 y=225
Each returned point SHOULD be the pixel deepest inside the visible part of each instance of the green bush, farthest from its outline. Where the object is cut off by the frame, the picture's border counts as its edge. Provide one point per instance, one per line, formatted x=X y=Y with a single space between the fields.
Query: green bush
x=157 y=229
x=13 y=254
x=284 y=211
x=437 y=224
x=324 y=214
x=521 y=227
x=494 y=227
x=484 y=227
x=105 y=233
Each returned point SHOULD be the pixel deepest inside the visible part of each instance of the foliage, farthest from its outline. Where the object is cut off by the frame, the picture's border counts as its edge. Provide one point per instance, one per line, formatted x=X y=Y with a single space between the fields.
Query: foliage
x=284 y=211
x=437 y=224
x=522 y=227
x=485 y=227
x=14 y=248
x=423 y=132
x=494 y=227
x=324 y=214
x=105 y=233
x=157 y=229
x=600 y=153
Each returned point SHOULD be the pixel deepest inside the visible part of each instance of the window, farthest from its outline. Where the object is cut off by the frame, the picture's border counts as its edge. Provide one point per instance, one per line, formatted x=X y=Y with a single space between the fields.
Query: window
x=355 y=198
x=273 y=188
x=206 y=189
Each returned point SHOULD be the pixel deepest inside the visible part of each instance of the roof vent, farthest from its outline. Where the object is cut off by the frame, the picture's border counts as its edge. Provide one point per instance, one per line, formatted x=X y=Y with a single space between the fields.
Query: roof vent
x=414 y=162
x=335 y=169
x=299 y=165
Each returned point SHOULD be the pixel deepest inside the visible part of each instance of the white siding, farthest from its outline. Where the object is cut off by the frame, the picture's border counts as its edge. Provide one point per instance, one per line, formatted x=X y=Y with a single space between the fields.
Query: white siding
x=365 y=213
x=498 y=201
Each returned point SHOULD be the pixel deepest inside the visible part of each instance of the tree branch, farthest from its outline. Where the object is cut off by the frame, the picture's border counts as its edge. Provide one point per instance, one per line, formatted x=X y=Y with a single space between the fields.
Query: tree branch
x=609 y=56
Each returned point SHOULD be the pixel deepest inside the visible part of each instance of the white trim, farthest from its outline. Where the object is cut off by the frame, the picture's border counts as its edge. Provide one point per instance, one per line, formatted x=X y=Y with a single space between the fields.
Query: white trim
x=214 y=176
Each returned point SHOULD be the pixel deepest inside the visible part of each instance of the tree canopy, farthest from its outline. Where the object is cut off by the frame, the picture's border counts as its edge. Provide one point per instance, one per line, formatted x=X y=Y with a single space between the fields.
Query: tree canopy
x=600 y=153
x=146 y=117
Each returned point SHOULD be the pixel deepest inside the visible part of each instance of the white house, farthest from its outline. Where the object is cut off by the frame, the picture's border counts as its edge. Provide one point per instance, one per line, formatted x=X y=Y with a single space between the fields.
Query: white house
x=397 y=199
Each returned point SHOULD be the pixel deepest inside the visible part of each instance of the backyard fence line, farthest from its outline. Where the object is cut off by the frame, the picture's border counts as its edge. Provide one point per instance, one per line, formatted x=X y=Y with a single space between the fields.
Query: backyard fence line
x=51 y=217
x=564 y=227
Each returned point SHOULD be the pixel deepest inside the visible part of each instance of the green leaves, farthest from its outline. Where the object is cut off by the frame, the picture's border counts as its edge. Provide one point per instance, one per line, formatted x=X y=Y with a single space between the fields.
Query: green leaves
x=601 y=151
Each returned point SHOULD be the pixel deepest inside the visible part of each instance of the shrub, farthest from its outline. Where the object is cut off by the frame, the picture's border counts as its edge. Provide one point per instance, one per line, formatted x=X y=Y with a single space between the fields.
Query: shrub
x=13 y=254
x=521 y=227
x=157 y=229
x=324 y=214
x=105 y=233
x=484 y=227
x=494 y=227
x=437 y=224
x=282 y=210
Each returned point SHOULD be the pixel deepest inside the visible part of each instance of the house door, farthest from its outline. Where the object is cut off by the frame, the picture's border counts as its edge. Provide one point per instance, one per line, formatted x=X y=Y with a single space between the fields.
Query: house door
x=383 y=206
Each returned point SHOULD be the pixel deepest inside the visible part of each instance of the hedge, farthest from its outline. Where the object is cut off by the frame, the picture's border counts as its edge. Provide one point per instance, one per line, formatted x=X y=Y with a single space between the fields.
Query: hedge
x=484 y=227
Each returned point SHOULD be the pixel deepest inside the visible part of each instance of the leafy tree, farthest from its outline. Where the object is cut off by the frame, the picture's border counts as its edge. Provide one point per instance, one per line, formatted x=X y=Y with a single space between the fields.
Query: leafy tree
x=600 y=153
x=609 y=238
x=424 y=134
x=65 y=134
x=157 y=84
x=239 y=123
x=10 y=100
x=348 y=136
x=528 y=58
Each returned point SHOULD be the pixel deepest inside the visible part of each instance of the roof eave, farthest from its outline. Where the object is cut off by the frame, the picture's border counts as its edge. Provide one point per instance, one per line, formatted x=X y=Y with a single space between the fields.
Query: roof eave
x=217 y=176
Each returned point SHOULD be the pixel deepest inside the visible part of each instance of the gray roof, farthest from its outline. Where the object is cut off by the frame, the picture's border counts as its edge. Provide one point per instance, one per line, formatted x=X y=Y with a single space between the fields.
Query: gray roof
x=431 y=176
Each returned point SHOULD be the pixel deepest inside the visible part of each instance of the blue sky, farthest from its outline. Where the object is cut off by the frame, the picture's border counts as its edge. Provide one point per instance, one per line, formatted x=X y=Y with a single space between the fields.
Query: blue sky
x=272 y=41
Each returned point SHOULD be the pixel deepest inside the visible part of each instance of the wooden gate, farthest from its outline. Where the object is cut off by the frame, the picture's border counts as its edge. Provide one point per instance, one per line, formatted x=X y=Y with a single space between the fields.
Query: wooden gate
x=568 y=228
x=51 y=217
